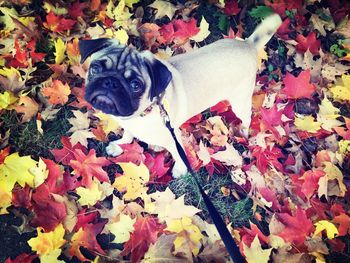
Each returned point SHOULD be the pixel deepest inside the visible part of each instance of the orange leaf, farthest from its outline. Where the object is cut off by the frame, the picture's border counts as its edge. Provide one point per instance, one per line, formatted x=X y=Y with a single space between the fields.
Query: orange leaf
x=58 y=23
x=28 y=107
x=57 y=93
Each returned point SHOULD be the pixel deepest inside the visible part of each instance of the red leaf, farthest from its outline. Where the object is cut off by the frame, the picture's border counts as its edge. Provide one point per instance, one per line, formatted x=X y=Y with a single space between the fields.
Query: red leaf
x=22 y=258
x=310 y=184
x=284 y=30
x=344 y=224
x=231 y=7
x=310 y=42
x=166 y=34
x=131 y=153
x=85 y=217
x=54 y=179
x=58 y=24
x=80 y=101
x=20 y=57
x=65 y=155
x=298 y=87
x=297 y=227
x=88 y=166
x=4 y=153
x=248 y=235
x=36 y=57
x=48 y=212
x=21 y=196
x=147 y=230
x=272 y=116
x=184 y=30
x=76 y=10
x=270 y=196
x=280 y=6
x=156 y=165
x=267 y=157
x=86 y=237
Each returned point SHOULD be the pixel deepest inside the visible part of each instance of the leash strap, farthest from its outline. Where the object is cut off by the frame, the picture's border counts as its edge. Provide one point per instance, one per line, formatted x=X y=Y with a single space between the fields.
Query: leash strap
x=225 y=235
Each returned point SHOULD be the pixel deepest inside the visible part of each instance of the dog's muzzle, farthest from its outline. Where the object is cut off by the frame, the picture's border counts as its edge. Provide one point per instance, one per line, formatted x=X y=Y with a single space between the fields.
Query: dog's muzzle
x=107 y=94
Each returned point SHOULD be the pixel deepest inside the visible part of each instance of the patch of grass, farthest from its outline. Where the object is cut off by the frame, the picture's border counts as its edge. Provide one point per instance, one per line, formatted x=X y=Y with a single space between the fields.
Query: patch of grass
x=239 y=212
x=27 y=140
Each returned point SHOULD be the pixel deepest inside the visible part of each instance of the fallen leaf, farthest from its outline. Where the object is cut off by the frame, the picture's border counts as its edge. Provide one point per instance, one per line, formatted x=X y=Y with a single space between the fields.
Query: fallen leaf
x=255 y=253
x=298 y=87
x=57 y=93
x=326 y=226
x=121 y=229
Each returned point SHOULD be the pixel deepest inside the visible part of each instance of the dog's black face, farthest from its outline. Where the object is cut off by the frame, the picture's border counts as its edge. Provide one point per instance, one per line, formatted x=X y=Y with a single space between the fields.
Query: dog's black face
x=120 y=80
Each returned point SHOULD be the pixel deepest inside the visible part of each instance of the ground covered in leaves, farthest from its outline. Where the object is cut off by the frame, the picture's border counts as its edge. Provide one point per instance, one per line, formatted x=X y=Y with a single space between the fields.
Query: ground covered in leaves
x=283 y=192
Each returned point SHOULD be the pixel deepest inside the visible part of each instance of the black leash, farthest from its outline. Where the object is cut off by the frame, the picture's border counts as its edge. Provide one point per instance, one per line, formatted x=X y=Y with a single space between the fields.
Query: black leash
x=225 y=235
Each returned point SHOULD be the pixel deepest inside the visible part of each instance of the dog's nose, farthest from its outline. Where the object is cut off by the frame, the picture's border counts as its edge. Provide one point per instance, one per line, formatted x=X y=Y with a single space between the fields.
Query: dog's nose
x=107 y=83
x=103 y=103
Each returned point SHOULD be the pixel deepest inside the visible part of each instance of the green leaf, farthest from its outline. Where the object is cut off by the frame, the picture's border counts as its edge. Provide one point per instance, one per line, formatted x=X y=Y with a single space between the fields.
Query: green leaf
x=260 y=12
x=223 y=23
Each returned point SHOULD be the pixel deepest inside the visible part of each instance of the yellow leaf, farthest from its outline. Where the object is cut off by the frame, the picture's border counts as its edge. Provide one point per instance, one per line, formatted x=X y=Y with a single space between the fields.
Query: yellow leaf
x=46 y=243
x=203 y=31
x=51 y=257
x=89 y=196
x=329 y=227
x=255 y=253
x=129 y=3
x=108 y=122
x=10 y=72
x=122 y=229
x=333 y=173
x=5 y=198
x=6 y=19
x=6 y=100
x=39 y=173
x=60 y=48
x=164 y=8
x=16 y=169
x=307 y=123
x=119 y=13
x=133 y=180
x=341 y=91
x=55 y=9
x=188 y=234
x=344 y=146
x=26 y=20
x=121 y=36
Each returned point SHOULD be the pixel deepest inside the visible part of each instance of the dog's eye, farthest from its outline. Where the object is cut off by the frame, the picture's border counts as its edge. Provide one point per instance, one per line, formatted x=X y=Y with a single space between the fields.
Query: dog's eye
x=135 y=85
x=95 y=69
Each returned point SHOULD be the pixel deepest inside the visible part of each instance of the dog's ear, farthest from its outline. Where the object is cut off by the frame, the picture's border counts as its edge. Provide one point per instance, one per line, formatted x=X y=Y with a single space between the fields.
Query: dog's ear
x=88 y=47
x=160 y=76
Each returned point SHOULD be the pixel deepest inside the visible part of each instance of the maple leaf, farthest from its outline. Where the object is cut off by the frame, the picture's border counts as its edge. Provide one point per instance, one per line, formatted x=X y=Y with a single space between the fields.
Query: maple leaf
x=344 y=132
x=65 y=155
x=73 y=52
x=60 y=48
x=164 y=8
x=310 y=184
x=330 y=228
x=48 y=212
x=298 y=87
x=11 y=79
x=27 y=106
x=184 y=29
x=89 y=196
x=231 y=8
x=132 y=181
x=7 y=99
x=149 y=32
x=46 y=243
x=86 y=237
x=341 y=91
x=58 y=24
x=255 y=253
x=188 y=235
x=80 y=101
x=203 y=31
x=267 y=157
x=161 y=251
x=147 y=230
x=297 y=226
x=80 y=130
x=57 y=93
x=76 y=10
x=16 y=168
x=121 y=229
x=156 y=165
x=89 y=166
x=344 y=223
x=308 y=43
x=22 y=258
x=168 y=208
x=132 y=152
x=307 y=123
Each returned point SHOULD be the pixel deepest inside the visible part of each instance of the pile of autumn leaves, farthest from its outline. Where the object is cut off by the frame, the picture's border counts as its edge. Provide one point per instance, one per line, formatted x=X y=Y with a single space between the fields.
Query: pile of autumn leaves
x=79 y=200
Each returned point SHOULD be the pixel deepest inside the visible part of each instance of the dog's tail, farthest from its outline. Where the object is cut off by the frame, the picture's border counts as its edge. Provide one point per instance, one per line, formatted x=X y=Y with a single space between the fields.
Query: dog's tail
x=265 y=31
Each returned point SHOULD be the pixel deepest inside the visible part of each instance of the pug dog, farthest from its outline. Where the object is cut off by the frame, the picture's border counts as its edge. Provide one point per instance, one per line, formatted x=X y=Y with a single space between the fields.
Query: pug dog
x=128 y=84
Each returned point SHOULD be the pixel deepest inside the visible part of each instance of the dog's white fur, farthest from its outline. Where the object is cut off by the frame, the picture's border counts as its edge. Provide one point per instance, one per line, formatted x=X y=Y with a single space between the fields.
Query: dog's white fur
x=223 y=70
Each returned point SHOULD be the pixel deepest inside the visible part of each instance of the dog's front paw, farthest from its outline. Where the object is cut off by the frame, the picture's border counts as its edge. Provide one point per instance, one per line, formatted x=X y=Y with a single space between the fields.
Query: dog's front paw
x=113 y=149
x=179 y=169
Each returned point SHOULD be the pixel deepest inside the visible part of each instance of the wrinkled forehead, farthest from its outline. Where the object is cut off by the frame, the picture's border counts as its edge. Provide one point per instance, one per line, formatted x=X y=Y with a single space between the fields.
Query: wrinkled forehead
x=118 y=57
